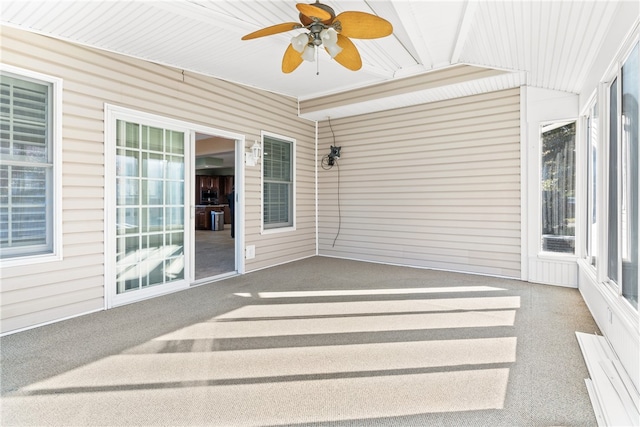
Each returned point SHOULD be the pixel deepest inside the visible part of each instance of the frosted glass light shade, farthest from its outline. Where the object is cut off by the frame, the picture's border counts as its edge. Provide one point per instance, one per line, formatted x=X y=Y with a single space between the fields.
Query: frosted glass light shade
x=299 y=42
x=309 y=53
x=329 y=38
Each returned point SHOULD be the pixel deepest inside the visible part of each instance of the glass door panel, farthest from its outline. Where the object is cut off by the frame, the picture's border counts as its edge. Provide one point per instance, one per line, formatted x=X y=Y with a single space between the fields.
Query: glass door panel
x=150 y=206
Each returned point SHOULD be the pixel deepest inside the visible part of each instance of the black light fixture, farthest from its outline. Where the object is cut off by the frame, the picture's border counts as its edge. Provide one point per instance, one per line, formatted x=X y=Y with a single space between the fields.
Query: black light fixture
x=334 y=155
x=330 y=159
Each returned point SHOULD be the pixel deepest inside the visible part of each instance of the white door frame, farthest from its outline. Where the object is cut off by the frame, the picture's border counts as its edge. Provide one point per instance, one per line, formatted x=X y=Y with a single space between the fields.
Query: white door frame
x=113 y=113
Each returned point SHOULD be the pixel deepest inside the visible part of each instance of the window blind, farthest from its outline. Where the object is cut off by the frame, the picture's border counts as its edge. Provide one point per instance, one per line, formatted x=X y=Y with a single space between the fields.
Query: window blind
x=277 y=183
x=25 y=167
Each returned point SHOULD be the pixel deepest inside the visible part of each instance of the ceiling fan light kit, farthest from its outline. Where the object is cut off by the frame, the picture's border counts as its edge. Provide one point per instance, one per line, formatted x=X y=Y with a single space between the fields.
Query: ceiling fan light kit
x=329 y=31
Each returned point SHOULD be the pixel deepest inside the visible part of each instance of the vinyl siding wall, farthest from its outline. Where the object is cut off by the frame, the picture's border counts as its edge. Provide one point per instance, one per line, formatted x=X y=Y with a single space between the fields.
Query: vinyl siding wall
x=434 y=185
x=40 y=293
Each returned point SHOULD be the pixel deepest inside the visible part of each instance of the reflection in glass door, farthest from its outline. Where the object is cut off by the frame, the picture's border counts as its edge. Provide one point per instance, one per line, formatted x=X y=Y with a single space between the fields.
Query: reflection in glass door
x=150 y=207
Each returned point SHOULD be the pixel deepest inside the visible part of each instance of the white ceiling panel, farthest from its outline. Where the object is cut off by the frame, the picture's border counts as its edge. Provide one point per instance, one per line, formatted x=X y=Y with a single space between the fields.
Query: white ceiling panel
x=553 y=41
x=547 y=44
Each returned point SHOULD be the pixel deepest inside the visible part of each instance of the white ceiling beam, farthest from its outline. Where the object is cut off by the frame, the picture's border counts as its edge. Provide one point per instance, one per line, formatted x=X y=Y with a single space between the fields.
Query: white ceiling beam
x=407 y=16
x=463 y=30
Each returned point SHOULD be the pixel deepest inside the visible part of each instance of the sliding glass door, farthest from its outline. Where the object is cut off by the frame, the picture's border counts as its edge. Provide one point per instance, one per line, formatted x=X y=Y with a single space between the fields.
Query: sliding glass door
x=150 y=205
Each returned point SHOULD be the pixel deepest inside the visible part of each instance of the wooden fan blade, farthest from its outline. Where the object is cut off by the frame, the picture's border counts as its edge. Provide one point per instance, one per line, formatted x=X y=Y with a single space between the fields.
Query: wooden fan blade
x=362 y=25
x=291 y=59
x=312 y=11
x=274 y=29
x=349 y=57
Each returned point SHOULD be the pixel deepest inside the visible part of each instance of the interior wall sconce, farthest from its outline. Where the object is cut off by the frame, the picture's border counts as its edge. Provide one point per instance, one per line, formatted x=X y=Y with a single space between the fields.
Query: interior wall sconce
x=253 y=157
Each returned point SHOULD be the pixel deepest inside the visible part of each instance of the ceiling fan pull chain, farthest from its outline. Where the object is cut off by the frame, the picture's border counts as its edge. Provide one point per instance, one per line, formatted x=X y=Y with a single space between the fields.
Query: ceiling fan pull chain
x=317 y=62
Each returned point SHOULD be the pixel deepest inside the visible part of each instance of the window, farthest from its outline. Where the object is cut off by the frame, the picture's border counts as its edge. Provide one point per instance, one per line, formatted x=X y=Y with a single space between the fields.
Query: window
x=629 y=177
x=623 y=223
x=558 y=187
x=277 y=182
x=27 y=164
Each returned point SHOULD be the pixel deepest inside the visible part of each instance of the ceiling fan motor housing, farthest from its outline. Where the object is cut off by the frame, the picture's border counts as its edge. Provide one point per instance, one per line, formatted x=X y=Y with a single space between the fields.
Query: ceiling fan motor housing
x=315 y=30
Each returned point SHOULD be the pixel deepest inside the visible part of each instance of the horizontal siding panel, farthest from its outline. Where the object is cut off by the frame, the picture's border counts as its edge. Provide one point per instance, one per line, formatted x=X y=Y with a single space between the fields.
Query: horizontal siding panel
x=82 y=215
x=82 y=180
x=85 y=170
x=81 y=238
x=289 y=252
x=408 y=256
x=436 y=244
x=52 y=314
x=452 y=161
x=84 y=158
x=504 y=115
x=83 y=203
x=452 y=141
x=83 y=249
x=404 y=132
x=424 y=143
x=448 y=261
x=83 y=226
x=44 y=274
x=472 y=231
x=369 y=223
x=455 y=123
x=40 y=304
x=53 y=290
x=435 y=186
x=70 y=145
x=477 y=106
x=498 y=168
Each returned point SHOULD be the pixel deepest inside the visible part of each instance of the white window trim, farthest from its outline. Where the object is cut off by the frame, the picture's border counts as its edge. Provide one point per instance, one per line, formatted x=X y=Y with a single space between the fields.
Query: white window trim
x=292 y=227
x=56 y=141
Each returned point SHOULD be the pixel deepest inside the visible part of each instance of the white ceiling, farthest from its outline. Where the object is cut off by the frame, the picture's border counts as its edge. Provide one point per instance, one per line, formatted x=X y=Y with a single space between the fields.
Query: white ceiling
x=547 y=44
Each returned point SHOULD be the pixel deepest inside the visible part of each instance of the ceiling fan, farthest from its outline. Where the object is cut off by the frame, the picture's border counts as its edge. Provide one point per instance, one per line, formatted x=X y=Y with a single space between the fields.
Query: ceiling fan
x=327 y=30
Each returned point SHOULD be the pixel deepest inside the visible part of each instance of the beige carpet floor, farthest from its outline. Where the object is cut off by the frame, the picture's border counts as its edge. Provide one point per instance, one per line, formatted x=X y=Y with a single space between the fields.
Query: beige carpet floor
x=315 y=342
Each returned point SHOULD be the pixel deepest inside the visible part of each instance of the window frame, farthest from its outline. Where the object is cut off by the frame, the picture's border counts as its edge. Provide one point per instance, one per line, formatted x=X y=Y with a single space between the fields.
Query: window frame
x=591 y=140
x=292 y=201
x=56 y=84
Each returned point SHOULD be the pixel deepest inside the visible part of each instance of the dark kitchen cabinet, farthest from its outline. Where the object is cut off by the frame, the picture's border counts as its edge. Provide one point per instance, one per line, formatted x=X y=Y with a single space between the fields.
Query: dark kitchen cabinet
x=203 y=216
x=222 y=185
x=203 y=219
